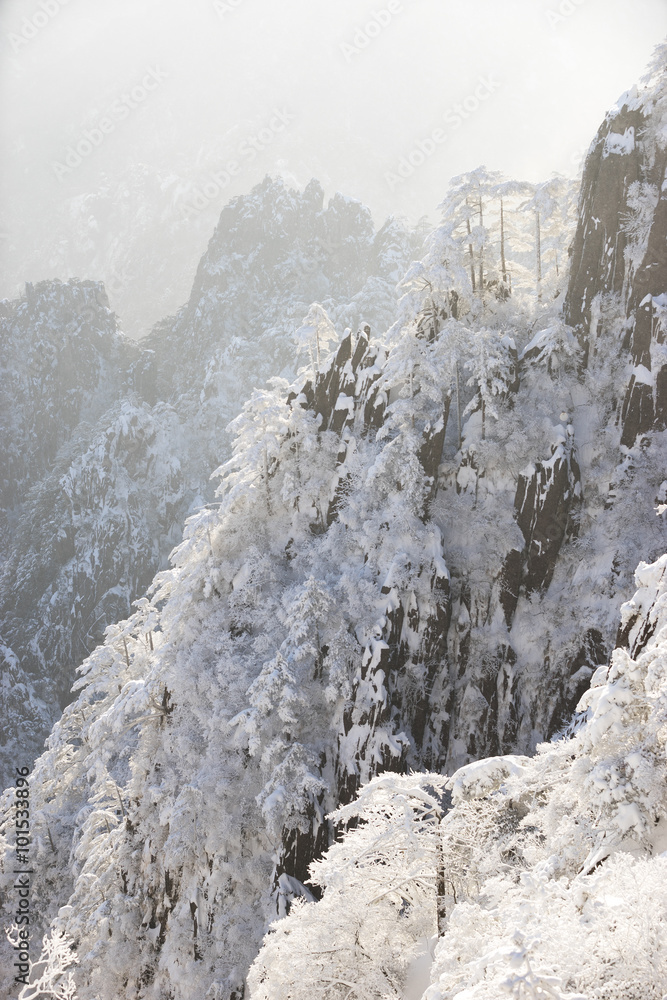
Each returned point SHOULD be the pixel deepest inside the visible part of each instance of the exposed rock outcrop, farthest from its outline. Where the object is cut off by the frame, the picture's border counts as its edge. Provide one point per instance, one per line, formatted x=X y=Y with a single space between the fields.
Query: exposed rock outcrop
x=620 y=249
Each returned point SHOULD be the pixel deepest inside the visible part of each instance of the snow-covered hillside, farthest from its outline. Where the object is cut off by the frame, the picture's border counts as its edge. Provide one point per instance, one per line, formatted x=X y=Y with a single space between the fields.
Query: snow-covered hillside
x=416 y=559
x=108 y=446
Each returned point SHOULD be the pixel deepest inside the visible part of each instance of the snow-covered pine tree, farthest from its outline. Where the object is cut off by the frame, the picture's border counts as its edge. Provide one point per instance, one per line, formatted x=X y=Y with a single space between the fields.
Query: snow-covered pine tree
x=550 y=206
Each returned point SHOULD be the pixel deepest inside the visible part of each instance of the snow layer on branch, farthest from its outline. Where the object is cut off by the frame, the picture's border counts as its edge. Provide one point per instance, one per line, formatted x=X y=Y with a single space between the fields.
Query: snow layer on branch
x=483 y=776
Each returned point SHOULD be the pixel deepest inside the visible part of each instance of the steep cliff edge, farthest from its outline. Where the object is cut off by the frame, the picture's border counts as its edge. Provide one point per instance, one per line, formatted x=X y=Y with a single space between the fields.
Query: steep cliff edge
x=620 y=250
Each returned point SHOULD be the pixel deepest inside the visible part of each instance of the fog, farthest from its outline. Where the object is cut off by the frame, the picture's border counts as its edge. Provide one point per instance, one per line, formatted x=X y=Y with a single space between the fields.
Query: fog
x=127 y=125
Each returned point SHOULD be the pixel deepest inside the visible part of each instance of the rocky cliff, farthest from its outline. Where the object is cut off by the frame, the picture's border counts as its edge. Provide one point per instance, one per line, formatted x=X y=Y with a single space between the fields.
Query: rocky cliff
x=620 y=251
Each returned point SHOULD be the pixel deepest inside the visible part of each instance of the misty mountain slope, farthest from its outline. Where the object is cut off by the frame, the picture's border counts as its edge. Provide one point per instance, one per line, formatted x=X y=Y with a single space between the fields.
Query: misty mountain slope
x=273 y=253
x=369 y=594
x=516 y=876
x=136 y=230
x=63 y=363
x=108 y=445
x=89 y=537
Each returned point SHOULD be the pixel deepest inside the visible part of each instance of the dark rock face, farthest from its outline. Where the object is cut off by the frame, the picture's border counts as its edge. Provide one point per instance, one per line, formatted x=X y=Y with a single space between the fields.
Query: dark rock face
x=489 y=701
x=298 y=850
x=624 y=167
x=580 y=669
x=335 y=387
x=395 y=684
x=636 y=629
x=645 y=400
x=430 y=452
x=510 y=583
x=544 y=511
x=598 y=264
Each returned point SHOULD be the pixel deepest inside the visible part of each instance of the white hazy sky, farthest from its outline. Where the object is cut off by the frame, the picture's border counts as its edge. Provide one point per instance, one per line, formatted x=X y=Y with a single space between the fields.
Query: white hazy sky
x=553 y=68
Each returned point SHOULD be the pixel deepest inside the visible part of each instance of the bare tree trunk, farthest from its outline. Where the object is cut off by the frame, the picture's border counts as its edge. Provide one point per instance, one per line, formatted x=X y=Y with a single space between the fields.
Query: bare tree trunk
x=538 y=250
x=458 y=404
x=266 y=480
x=472 y=257
x=440 y=879
x=435 y=324
x=481 y=252
x=441 y=908
x=503 y=263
